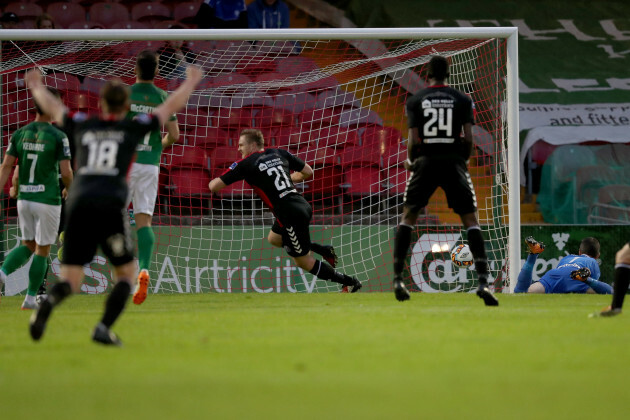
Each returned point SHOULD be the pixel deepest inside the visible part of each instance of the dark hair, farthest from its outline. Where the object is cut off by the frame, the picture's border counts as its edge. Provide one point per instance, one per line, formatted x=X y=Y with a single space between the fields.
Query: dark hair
x=590 y=247
x=43 y=17
x=116 y=95
x=146 y=64
x=254 y=136
x=438 y=68
x=52 y=90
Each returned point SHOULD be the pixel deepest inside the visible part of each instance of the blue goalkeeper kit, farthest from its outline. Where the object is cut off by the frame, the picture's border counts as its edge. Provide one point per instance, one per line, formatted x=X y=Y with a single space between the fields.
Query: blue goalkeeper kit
x=559 y=279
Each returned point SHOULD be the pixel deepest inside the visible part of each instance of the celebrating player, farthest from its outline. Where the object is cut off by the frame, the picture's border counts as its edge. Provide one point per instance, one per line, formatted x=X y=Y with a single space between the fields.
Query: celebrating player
x=144 y=175
x=573 y=274
x=268 y=171
x=622 y=280
x=96 y=214
x=437 y=157
x=42 y=151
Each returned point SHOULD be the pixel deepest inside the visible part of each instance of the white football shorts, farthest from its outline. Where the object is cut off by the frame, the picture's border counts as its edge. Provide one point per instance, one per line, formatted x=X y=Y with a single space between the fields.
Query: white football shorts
x=143 y=187
x=39 y=221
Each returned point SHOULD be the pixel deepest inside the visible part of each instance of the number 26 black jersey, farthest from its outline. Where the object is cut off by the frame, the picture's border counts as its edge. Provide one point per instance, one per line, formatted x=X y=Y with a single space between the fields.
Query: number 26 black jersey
x=439 y=113
x=268 y=172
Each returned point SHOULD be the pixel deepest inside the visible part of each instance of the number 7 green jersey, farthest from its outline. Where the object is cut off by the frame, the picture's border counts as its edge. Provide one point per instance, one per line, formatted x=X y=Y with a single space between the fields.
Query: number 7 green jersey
x=145 y=97
x=39 y=147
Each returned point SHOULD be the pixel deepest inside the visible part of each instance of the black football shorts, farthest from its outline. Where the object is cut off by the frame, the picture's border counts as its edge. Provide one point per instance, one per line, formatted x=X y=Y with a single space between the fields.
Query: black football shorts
x=293 y=218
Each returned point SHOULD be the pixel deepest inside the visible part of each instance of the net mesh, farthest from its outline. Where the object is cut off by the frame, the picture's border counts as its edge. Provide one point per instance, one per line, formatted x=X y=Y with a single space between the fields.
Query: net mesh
x=339 y=109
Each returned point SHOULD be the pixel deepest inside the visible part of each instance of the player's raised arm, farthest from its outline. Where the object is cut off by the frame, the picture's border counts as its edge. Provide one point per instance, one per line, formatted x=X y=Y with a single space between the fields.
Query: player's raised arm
x=305 y=174
x=50 y=104
x=468 y=138
x=178 y=99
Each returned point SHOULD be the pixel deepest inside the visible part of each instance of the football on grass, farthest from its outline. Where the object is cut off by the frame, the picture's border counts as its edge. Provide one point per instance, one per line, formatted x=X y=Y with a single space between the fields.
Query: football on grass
x=461 y=256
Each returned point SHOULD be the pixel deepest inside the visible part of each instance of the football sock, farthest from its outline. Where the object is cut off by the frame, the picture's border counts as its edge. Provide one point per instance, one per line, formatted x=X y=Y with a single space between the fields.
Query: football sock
x=59 y=292
x=525 y=276
x=401 y=246
x=622 y=280
x=323 y=271
x=478 y=249
x=116 y=303
x=36 y=274
x=146 y=239
x=16 y=259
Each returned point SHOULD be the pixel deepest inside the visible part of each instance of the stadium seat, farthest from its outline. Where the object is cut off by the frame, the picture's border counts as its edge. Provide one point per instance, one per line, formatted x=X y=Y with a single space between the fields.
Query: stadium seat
x=360 y=156
x=272 y=83
x=393 y=156
x=359 y=117
x=337 y=137
x=233 y=118
x=85 y=101
x=273 y=117
x=318 y=118
x=130 y=24
x=381 y=137
x=188 y=157
x=208 y=138
x=362 y=181
x=394 y=180
x=337 y=99
x=281 y=137
x=295 y=102
x=193 y=118
x=252 y=64
x=222 y=157
x=185 y=12
x=84 y=24
x=150 y=12
x=230 y=79
x=327 y=182
x=200 y=47
x=24 y=10
x=295 y=65
x=252 y=101
x=108 y=13
x=65 y=14
x=14 y=112
x=189 y=182
x=320 y=156
x=316 y=86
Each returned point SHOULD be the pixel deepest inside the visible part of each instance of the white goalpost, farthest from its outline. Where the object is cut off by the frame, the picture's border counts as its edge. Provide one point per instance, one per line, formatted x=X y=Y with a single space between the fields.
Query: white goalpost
x=333 y=97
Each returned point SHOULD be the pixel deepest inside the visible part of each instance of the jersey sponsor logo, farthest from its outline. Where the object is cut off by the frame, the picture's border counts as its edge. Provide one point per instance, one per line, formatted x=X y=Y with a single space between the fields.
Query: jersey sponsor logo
x=144 y=148
x=35 y=147
x=262 y=167
x=426 y=104
x=32 y=188
x=444 y=140
x=284 y=193
x=66 y=146
x=232 y=166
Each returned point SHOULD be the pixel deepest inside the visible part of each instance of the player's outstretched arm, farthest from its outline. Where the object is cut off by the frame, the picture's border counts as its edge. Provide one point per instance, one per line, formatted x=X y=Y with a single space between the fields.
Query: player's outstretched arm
x=178 y=99
x=66 y=176
x=15 y=182
x=216 y=185
x=412 y=140
x=305 y=174
x=47 y=101
x=172 y=134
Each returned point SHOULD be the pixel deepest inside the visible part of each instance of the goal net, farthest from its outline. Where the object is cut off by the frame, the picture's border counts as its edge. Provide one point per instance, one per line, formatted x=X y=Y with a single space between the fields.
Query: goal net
x=338 y=103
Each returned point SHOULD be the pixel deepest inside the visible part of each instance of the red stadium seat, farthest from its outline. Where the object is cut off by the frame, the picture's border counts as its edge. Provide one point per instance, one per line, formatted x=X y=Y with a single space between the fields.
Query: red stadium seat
x=86 y=102
x=316 y=86
x=233 y=118
x=83 y=24
x=359 y=117
x=24 y=10
x=185 y=12
x=65 y=14
x=321 y=156
x=230 y=79
x=189 y=182
x=150 y=12
x=362 y=181
x=193 y=118
x=337 y=137
x=108 y=13
x=394 y=156
x=130 y=24
x=338 y=99
x=295 y=65
x=394 y=180
x=318 y=118
x=222 y=157
x=295 y=102
x=381 y=137
x=281 y=137
x=360 y=156
x=274 y=117
x=208 y=138
x=189 y=157
x=253 y=65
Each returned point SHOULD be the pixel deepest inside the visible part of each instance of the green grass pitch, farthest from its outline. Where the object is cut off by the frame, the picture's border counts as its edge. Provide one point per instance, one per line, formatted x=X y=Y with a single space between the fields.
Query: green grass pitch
x=321 y=356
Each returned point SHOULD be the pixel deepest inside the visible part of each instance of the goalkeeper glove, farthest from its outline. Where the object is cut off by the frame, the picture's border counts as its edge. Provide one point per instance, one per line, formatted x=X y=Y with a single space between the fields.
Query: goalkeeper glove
x=581 y=275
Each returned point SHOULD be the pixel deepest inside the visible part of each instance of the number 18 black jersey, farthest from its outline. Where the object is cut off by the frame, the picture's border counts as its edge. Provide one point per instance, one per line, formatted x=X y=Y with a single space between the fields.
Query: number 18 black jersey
x=104 y=152
x=439 y=113
x=268 y=172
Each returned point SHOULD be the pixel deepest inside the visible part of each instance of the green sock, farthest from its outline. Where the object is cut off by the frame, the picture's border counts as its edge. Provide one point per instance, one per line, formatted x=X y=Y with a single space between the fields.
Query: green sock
x=146 y=239
x=16 y=259
x=36 y=274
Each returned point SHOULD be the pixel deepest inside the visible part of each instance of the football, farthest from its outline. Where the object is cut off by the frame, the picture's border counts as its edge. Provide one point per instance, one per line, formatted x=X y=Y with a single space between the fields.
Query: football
x=461 y=256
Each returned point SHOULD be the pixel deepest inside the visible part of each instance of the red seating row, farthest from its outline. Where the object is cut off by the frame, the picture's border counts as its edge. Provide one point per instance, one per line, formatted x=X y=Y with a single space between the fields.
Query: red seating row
x=107 y=14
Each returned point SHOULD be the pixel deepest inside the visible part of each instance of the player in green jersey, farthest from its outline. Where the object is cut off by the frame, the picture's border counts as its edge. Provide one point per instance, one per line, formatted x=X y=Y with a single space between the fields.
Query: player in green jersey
x=144 y=175
x=42 y=150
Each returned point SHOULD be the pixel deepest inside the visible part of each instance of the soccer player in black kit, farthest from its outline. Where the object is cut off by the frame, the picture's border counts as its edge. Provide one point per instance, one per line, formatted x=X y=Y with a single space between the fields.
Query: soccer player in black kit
x=437 y=157
x=95 y=213
x=621 y=282
x=272 y=173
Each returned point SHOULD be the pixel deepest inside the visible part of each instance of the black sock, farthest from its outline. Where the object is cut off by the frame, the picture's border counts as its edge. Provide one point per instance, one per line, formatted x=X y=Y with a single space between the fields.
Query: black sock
x=317 y=248
x=620 y=288
x=401 y=246
x=325 y=272
x=59 y=292
x=478 y=249
x=116 y=303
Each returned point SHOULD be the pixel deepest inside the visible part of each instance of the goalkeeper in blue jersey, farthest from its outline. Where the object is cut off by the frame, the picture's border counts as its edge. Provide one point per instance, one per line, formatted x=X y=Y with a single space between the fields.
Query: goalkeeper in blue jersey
x=573 y=274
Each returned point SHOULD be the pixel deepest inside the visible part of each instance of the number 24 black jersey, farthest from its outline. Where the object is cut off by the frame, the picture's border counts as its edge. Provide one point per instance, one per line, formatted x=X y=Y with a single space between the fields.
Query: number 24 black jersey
x=268 y=172
x=439 y=113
